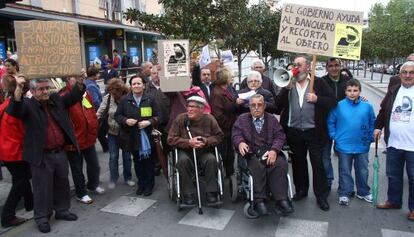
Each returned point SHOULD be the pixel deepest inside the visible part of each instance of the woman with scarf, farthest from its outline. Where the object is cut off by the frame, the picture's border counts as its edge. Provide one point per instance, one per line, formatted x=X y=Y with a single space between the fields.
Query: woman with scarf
x=136 y=114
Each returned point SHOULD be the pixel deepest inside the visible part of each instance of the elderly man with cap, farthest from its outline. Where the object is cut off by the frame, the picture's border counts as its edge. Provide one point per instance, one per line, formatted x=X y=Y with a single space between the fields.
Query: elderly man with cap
x=205 y=135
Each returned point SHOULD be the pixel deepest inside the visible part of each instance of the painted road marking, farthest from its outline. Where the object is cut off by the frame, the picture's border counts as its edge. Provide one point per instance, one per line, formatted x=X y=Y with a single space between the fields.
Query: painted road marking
x=129 y=206
x=395 y=233
x=212 y=218
x=294 y=227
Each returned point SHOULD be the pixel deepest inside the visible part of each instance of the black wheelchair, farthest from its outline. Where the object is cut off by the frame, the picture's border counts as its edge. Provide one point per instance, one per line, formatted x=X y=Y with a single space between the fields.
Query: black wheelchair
x=241 y=185
x=174 y=182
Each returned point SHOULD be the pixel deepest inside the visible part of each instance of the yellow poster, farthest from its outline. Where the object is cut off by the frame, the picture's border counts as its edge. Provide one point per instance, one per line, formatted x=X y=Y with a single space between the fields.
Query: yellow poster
x=348 y=41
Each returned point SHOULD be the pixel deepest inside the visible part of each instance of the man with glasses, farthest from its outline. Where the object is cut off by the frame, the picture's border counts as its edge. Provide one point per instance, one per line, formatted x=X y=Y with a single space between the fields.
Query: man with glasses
x=397 y=118
x=337 y=82
x=47 y=130
x=303 y=115
x=205 y=135
x=259 y=139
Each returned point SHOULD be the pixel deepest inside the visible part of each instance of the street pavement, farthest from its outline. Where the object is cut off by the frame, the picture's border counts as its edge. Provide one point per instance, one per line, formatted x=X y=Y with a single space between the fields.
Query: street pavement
x=120 y=212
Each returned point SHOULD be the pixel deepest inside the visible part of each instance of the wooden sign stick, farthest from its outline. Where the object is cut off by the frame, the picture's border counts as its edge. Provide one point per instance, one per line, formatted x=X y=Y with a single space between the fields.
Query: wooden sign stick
x=312 y=74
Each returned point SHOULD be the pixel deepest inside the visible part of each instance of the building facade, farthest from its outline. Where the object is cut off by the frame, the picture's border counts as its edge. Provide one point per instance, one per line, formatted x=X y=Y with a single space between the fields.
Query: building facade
x=101 y=25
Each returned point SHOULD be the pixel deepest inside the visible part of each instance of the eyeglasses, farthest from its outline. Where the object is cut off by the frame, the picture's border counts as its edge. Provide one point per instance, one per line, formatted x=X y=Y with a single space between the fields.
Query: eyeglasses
x=409 y=73
x=251 y=81
x=335 y=65
x=45 y=88
x=193 y=107
x=256 y=105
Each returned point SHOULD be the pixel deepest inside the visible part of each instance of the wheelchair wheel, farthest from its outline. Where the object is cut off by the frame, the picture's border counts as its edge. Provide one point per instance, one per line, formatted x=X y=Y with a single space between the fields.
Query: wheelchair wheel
x=249 y=211
x=172 y=189
x=234 y=188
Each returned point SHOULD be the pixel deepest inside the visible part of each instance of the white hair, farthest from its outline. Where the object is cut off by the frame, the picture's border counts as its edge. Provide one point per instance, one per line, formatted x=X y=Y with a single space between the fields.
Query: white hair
x=257 y=60
x=407 y=64
x=255 y=74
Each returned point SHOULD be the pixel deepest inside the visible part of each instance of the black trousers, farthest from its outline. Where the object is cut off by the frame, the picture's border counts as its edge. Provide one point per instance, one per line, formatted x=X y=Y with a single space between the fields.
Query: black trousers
x=21 y=188
x=92 y=169
x=227 y=153
x=273 y=178
x=51 y=189
x=145 y=171
x=300 y=143
x=185 y=165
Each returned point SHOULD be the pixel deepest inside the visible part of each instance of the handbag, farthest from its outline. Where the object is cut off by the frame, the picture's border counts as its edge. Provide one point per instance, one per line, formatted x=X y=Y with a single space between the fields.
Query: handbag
x=103 y=121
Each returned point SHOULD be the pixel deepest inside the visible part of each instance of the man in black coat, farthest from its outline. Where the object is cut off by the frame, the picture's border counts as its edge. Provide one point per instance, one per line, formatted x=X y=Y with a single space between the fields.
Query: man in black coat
x=47 y=130
x=303 y=115
x=109 y=73
x=337 y=82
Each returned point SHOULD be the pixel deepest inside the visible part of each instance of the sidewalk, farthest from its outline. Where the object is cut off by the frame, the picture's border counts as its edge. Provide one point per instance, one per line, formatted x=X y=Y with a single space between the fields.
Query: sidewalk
x=375 y=83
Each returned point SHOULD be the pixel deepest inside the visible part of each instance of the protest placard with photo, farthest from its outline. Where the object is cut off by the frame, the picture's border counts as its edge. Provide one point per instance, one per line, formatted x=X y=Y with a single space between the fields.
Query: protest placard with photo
x=320 y=31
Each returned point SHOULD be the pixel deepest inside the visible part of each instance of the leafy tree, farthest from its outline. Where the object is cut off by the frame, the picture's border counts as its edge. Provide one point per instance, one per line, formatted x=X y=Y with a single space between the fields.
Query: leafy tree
x=183 y=19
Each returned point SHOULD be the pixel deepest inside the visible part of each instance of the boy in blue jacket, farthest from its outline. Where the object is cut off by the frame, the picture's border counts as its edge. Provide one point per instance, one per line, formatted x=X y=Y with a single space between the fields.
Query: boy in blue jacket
x=351 y=125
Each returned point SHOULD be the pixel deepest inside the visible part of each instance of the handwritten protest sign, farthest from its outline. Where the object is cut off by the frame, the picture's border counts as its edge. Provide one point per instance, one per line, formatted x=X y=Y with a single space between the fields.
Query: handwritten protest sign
x=48 y=48
x=175 y=65
x=320 y=31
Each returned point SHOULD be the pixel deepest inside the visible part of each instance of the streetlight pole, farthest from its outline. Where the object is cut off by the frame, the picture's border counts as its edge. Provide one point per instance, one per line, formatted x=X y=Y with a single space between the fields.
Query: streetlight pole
x=260 y=44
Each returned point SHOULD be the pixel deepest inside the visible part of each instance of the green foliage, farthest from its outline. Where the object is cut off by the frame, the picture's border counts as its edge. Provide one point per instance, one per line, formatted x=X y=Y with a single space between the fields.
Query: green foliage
x=390 y=33
x=230 y=22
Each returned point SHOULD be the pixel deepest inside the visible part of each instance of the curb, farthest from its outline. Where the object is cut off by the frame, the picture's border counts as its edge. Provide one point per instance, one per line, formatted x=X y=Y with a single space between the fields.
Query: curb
x=374 y=89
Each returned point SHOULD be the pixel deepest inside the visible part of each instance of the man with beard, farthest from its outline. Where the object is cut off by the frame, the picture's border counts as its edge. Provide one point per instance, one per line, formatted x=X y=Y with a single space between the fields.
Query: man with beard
x=303 y=115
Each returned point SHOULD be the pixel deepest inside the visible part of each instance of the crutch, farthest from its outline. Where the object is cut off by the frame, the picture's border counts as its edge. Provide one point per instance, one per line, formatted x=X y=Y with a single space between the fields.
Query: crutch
x=200 y=210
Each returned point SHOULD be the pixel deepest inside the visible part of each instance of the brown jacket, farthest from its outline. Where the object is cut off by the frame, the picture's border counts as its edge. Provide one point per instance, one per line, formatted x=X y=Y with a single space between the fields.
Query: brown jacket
x=223 y=108
x=206 y=127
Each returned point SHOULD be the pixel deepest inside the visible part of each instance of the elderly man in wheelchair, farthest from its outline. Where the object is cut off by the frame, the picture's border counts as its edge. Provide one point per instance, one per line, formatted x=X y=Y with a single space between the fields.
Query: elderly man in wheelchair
x=259 y=139
x=196 y=134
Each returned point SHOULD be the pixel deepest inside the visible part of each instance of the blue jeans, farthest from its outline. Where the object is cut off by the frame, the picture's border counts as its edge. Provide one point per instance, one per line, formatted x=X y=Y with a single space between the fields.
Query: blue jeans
x=327 y=164
x=395 y=173
x=113 y=146
x=346 y=182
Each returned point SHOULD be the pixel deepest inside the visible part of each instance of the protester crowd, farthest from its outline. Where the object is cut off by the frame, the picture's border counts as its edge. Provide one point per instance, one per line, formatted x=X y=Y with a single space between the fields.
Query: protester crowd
x=44 y=131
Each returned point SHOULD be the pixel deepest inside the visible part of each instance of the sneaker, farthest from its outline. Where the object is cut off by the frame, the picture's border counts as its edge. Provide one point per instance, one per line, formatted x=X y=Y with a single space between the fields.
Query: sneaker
x=98 y=190
x=85 y=199
x=344 y=201
x=367 y=198
x=111 y=185
x=130 y=183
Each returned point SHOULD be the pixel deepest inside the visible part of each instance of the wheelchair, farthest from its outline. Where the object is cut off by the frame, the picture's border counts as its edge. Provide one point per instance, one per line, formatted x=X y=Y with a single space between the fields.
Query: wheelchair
x=174 y=190
x=241 y=185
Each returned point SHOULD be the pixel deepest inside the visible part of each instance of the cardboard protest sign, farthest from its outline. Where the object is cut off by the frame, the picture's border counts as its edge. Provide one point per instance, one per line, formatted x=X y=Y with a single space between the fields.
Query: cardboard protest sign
x=175 y=65
x=48 y=48
x=320 y=31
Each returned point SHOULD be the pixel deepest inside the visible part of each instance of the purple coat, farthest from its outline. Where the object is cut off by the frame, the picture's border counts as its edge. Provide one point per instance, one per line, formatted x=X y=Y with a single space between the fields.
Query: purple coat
x=271 y=134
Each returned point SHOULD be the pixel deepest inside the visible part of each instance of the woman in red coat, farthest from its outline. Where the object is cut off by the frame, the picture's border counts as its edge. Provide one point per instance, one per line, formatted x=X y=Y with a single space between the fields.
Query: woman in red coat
x=11 y=153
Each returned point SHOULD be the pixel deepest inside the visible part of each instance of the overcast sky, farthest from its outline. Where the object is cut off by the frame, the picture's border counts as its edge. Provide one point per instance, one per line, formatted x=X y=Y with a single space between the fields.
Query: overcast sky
x=352 y=5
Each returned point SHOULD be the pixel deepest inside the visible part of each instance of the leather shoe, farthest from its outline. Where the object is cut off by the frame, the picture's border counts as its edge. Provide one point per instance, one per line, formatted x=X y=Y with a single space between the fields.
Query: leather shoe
x=388 y=205
x=410 y=216
x=13 y=222
x=140 y=191
x=147 y=192
x=188 y=199
x=261 y=209
x=323 y=204
x=299 y=195
x=44 y=227
x=211 y=197
x=284 y=207
x=67 y=216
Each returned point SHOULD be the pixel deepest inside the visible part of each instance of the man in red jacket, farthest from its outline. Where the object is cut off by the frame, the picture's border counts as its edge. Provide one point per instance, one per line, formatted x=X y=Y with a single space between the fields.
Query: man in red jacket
x=85 y=124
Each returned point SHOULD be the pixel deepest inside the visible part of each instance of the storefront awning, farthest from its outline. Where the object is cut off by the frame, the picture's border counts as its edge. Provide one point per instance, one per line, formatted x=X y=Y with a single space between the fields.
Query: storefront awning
x=39 y=14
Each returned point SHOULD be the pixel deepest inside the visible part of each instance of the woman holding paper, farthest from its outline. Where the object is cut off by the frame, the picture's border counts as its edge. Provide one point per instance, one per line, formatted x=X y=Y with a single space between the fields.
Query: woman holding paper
x=254 y=86
x=136 y=114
